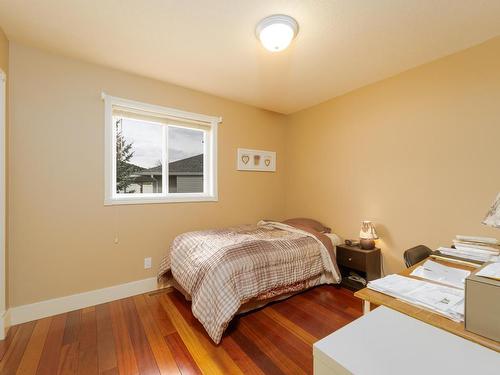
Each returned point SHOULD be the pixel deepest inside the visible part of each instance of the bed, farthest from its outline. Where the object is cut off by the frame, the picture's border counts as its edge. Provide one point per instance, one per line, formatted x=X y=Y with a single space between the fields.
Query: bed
x=233 y=270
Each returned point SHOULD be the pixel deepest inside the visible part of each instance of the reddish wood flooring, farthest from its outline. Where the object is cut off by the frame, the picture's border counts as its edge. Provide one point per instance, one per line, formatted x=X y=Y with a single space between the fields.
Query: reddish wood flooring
x=157 y=334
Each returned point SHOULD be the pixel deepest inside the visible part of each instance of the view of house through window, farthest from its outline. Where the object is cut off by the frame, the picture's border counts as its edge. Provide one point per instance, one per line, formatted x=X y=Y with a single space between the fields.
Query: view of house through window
x=143 y=146
x=185 y=160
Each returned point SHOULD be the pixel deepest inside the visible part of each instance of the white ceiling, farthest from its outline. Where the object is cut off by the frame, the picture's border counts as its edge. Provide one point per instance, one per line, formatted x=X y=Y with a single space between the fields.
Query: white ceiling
x=210 y=45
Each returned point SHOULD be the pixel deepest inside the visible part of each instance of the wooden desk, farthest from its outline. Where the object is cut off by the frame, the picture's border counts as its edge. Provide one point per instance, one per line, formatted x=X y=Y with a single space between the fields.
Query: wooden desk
x=370 y=296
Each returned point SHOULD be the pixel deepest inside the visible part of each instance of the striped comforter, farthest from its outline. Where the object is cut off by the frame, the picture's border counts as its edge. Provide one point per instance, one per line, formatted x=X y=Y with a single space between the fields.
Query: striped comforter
x=223 y=268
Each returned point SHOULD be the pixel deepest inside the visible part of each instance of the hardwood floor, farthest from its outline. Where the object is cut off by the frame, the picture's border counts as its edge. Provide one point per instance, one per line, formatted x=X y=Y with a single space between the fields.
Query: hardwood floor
x=157 y=334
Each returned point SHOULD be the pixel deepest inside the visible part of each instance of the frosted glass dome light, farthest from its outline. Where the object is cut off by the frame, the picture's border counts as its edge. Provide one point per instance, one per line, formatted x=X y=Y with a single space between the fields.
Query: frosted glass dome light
x=277 y=32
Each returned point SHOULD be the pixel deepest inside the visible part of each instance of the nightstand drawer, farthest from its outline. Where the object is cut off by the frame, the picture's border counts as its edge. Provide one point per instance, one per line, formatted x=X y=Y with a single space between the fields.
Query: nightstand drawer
x=351 y=259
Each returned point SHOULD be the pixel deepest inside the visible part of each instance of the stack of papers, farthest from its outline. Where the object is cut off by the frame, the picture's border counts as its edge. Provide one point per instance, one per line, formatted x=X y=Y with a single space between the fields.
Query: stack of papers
x=473 y=249
x=491 y=271
x=442 y=274
x=443 y=300
x=471 y=254
x=480 y=240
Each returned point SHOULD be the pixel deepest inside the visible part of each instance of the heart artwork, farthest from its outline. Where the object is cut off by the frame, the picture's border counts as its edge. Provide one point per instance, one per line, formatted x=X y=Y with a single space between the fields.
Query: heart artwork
x=245 y=159
x=267 y=162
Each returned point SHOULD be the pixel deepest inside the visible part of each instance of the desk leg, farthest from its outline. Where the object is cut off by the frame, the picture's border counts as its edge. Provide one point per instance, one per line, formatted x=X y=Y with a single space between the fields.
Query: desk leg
x=366 y=307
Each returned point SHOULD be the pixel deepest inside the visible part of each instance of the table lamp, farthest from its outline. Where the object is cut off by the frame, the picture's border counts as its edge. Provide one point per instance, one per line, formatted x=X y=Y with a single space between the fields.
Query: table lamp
x=492 y=218
x=367 y=235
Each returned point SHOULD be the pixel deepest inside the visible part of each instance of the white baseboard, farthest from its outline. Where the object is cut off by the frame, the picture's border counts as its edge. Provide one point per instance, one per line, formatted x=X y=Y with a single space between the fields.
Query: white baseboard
x=4 y=324
x=42 y=309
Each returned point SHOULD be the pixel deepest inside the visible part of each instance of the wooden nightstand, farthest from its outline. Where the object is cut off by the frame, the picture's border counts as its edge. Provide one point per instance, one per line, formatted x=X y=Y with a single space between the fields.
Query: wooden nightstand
x=366 y=263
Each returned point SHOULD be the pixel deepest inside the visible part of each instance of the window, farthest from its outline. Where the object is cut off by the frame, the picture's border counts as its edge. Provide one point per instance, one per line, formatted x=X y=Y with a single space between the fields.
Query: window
x=156 y=154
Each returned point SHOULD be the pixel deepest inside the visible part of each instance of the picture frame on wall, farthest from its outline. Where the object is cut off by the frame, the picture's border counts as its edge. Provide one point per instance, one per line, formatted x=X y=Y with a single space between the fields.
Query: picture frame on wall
x=256 y=160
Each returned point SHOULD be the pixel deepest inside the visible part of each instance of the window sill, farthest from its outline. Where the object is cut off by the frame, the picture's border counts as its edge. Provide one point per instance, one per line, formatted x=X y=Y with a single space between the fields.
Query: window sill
x=184 y=198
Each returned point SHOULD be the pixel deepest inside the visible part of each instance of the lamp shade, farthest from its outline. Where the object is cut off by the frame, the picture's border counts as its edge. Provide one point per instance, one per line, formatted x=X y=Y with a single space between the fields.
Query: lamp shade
x=368 y=231
x=492 y=218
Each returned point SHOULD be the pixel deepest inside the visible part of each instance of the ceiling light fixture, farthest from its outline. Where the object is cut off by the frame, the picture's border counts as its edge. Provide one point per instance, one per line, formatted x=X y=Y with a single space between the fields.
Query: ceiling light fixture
x=277 y=32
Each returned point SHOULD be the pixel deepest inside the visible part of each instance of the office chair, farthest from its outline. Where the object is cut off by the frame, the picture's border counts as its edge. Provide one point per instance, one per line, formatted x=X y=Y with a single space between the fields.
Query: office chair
x=416 y=254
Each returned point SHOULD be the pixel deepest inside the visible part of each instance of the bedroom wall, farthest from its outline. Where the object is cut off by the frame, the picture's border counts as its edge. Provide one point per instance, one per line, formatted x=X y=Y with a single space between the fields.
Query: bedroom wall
x=417 y=153
x=4 y=65
x=61 y=235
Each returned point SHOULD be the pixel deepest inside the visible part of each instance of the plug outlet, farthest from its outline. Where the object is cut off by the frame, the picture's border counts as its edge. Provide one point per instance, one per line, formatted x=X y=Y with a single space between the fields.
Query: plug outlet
x=147 y=263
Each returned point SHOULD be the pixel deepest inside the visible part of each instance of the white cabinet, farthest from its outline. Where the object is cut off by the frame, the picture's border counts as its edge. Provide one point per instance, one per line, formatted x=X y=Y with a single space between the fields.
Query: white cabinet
x=386 y=342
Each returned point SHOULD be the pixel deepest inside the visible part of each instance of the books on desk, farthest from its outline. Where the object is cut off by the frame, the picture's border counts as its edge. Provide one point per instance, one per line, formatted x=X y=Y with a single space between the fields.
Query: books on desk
x=441 y=299
x=470 y=249
x=467 y=246
x=472 y=255
x=479 y=240
x=481 y=244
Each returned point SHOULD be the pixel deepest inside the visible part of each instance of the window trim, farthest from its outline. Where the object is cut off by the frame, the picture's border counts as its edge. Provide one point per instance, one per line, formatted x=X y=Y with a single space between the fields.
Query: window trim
x=209 y=168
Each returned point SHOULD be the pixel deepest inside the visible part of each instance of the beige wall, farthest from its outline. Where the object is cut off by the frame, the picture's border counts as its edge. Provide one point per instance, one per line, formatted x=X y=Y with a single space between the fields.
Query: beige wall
x=62 y=235
x=4 y=65
x=417 y=153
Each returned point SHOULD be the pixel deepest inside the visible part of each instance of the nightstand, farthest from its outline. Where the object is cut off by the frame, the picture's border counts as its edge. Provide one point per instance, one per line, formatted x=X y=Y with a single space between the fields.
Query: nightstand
x=366 y=263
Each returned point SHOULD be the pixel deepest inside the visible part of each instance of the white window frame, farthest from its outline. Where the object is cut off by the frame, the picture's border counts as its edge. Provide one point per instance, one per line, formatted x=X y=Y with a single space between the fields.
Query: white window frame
x=209 y=194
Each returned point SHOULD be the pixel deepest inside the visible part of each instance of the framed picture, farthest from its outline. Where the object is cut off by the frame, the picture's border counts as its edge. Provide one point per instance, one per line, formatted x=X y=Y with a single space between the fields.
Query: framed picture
x=256 y=160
